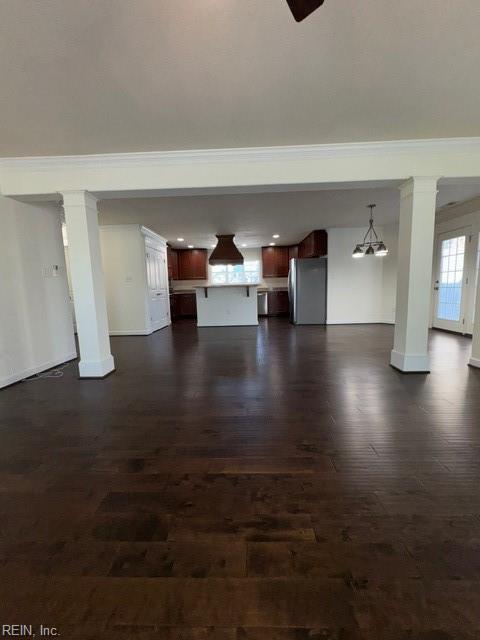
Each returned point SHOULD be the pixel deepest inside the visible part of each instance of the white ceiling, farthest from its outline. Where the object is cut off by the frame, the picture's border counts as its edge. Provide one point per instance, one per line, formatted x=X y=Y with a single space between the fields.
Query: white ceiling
x=97 y=76
x=254 y=218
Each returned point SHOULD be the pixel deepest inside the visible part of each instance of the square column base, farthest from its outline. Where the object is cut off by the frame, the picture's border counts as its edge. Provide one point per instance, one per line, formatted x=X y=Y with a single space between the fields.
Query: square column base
x=474 y=362
x=410 y=363
x=97 y=368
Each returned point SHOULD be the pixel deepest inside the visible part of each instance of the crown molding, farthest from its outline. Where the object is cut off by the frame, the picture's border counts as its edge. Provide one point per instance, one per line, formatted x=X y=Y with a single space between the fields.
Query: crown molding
x=152 y=235
x=242 y=169
x=242 y=154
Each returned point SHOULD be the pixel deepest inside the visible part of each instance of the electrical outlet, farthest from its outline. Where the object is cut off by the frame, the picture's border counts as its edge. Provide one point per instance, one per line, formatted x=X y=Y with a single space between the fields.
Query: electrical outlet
x=52 y=271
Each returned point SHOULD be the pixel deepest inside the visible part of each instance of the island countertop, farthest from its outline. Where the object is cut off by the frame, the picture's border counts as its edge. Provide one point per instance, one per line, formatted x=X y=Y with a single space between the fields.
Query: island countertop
x=245 y=285
x=218 y=286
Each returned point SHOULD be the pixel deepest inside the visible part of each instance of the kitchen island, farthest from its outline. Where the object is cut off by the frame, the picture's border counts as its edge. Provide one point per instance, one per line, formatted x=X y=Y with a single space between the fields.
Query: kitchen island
x=227 y=305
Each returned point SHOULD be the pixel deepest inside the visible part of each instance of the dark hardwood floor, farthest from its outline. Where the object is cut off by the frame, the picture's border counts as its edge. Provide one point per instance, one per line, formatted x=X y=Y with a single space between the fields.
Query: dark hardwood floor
x=241 y=484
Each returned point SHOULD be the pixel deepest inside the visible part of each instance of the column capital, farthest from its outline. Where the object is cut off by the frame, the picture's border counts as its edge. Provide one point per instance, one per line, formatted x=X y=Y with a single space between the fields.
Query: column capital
x=79 y=198
x=419 y=184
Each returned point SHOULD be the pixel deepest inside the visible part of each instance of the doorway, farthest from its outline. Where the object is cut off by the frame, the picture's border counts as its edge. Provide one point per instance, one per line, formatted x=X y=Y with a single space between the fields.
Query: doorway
x=455 y=276
x=157 y=282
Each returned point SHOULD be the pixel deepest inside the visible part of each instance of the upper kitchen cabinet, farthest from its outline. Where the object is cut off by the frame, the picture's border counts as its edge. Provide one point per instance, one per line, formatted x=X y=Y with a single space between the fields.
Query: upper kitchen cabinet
x=315 y=245
x=293 y=251
x=172 y=256
x=192 y=264
x=275 y=262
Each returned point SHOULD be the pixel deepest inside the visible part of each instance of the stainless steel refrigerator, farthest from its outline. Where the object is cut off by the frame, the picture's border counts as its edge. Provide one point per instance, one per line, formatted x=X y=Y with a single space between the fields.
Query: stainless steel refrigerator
x=307 y=290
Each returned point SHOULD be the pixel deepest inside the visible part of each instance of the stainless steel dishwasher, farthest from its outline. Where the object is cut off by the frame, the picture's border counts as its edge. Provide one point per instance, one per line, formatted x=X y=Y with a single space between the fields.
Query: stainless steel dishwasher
x=262 y=299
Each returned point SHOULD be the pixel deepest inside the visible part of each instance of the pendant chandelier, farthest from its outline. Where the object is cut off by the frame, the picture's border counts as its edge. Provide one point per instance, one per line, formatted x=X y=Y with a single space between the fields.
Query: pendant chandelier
x=371 y=245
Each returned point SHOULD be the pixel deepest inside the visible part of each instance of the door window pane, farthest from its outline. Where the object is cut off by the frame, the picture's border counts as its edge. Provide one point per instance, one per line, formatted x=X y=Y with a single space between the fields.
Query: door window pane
x=451 y=279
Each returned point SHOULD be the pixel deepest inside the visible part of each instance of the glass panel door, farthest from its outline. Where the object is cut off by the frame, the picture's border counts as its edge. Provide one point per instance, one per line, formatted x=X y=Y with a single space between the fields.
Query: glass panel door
x=475 y=283
x=449 y=284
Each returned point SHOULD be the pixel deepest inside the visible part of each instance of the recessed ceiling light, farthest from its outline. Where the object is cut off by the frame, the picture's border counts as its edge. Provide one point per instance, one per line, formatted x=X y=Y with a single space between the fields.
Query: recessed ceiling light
x=213 y=246
x=275 y=235
x=190 y=246
x=244 y=245
x=272 y=244
x=180 y=239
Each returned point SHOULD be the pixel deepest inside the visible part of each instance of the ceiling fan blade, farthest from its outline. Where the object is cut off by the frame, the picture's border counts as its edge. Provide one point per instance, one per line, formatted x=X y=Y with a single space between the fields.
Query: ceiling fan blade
x=303 y=8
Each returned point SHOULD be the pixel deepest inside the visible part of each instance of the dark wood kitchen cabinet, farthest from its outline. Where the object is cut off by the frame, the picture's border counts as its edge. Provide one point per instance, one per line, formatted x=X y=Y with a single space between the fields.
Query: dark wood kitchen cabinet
x=172 y=261
x=184 y=305
x=192 y=264
x=275 y=262
x=278 y=304
x=173 y=306
x=315 y=245
x=292 y=252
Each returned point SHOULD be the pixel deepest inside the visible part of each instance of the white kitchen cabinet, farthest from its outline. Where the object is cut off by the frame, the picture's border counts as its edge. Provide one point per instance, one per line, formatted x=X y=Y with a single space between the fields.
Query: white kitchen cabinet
x=136 y=279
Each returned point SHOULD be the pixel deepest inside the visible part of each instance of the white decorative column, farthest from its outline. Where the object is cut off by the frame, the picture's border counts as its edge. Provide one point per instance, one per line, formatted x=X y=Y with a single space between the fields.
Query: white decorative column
x=414 y=278
x=475 y=355
x=81 y=218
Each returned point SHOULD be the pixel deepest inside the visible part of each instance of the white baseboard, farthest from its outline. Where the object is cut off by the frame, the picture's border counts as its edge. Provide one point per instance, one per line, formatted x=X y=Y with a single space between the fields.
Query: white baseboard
x=237 y=324
x=410 y=362
x=133 y=332
x=139 y=332
x=31 y=371
x=474 y=362
x=96 y=368
x=349 y=321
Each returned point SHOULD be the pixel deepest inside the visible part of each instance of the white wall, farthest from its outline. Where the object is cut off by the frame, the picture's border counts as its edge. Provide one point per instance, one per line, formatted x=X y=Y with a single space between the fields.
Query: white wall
x=390 y=236
x=363 y=290
x=36 y=329
x=123 y=259
x=355 y=286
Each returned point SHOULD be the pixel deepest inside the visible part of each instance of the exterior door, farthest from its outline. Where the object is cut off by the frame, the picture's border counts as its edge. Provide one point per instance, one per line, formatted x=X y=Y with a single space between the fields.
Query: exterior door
x=450 y=300
x=157 y=282
x=476 y=276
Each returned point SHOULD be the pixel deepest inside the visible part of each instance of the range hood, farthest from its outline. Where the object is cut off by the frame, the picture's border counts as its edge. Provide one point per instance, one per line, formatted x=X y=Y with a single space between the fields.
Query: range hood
x=225 y=252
